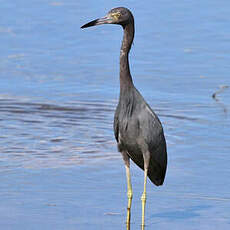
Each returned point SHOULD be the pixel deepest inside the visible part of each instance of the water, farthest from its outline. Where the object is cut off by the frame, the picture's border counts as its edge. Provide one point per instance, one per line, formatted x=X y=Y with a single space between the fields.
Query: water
x=59 y=87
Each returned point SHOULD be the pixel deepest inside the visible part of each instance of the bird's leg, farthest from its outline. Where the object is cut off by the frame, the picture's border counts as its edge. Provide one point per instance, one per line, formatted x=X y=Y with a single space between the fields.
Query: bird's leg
x=129 y=188
x=129 y=195
x=144 y=197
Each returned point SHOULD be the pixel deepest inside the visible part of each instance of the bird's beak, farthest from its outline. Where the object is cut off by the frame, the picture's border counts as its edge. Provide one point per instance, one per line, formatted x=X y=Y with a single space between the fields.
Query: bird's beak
x=99 y=21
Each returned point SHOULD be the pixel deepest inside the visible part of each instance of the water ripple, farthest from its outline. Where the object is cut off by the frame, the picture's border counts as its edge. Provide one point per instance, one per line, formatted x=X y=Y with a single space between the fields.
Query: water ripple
x=60 y=135
x=49 y=135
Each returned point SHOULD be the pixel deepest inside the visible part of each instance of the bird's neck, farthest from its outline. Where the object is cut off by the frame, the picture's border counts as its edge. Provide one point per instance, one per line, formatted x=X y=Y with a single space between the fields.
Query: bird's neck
x=125 y=76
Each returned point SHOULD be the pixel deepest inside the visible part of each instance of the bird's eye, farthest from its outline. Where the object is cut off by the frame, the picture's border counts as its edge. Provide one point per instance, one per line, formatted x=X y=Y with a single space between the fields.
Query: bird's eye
x=116 y=15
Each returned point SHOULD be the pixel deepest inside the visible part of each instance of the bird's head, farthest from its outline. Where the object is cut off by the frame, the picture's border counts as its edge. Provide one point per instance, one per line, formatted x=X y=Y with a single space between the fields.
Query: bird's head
x=121 y=16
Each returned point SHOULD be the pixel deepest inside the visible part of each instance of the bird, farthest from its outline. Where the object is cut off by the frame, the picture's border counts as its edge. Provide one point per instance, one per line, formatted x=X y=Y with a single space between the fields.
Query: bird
x=137 y=129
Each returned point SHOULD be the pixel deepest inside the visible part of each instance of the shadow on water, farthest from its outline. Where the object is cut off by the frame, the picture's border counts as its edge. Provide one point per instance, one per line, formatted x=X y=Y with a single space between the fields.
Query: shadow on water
x=187 y=213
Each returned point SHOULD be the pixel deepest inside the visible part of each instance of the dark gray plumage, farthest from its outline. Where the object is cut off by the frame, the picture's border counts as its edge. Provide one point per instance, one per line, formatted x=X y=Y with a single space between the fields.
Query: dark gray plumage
x=137 y=129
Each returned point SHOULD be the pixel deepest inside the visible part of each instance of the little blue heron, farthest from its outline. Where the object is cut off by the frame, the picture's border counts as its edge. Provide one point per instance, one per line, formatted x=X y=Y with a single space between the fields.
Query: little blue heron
x=137 y=128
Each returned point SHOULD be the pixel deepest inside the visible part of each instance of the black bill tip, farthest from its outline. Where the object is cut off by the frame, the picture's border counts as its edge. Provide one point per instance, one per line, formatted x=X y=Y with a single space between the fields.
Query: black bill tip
x=92 y=23
x=99 y=21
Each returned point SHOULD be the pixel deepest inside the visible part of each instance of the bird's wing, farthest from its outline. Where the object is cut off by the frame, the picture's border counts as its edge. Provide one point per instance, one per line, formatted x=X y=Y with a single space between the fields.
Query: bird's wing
x=151 y=126
x=153 y=134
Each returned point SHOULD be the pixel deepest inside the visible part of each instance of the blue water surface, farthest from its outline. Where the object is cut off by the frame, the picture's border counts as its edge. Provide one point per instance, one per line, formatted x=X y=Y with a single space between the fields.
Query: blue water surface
x=59 y=86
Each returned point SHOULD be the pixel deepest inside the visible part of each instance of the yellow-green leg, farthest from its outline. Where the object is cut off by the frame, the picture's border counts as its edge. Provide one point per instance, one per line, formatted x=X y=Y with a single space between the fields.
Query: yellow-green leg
x=143 y=199
x=129 y=195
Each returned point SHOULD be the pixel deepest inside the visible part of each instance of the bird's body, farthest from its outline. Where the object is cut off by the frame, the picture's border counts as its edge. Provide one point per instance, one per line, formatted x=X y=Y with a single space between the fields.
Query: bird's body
x=137 y=129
